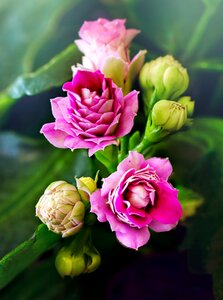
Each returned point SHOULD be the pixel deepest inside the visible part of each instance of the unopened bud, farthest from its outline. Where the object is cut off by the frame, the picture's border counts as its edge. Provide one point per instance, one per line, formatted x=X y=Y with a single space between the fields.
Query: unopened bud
x=93 y=259
x=164 y=75
x=169 y=115
x=186 y=101
x=78 y=257
x=86 y=186
x=68 y=264
x=61 y=208
x=63 y=262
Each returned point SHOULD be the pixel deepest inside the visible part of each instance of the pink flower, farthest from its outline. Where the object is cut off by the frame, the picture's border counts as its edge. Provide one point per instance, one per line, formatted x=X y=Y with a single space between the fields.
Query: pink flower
x=105 y=45
x=93 y=115
x=138 y=197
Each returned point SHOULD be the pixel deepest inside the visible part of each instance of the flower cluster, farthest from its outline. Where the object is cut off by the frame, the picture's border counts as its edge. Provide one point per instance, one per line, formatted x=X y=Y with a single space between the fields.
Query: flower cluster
x=98 y=113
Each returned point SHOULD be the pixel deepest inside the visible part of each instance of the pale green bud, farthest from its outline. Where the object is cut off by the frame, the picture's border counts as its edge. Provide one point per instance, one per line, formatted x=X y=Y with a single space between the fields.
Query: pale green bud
x=63 y=262
x=78 y=257
x=93 y=260
x=61 y=208
x=86 y=186
x=166 y=76
x=186 y=101
x=169 y=115
x=68 y=264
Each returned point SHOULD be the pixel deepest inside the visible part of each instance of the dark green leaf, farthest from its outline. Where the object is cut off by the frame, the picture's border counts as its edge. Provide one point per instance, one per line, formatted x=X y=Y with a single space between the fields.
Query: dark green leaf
x=53 y=74
x=25 y=28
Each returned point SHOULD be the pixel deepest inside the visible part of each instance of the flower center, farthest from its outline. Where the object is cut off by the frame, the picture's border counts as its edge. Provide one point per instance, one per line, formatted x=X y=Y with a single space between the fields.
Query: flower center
x=140 y=197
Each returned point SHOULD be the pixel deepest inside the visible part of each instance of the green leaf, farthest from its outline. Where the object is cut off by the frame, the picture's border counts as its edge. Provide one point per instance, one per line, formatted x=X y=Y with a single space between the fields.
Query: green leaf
x=189 y=200
x=27 y=168
x=53 y=74
x=22 y=256
x=25 y=28
x=108 y=157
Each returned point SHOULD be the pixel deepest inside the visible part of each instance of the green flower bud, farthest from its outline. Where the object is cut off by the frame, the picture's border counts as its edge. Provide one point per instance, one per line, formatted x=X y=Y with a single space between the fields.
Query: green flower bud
x=78 y=257
x=93 y=259
x=61 y=208
x=169 y=115
x=166 y=76
x=63 y=262
x=186 y=101
x=68 y=264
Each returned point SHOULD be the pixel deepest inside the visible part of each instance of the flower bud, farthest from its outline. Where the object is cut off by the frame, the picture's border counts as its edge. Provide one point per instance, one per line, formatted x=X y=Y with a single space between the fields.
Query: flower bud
x=86 y=186
x=61 y=208
x=93 y=260
x=78 y=257
x=166 y=76
x=169 y=115
x=186 y=101
x=68 y=264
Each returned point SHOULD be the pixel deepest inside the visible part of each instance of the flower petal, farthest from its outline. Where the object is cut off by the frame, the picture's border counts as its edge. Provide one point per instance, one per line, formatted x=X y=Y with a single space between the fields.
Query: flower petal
x=127 y=117
x=55 y=137
x=133 y=238
x=159 y=227
x=162 y=166
x=98 y=205
x=167 y=208
x=134 y=160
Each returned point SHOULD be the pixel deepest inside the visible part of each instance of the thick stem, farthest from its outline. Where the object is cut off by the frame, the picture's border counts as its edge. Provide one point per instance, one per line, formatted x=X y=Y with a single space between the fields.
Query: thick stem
x=22 y=256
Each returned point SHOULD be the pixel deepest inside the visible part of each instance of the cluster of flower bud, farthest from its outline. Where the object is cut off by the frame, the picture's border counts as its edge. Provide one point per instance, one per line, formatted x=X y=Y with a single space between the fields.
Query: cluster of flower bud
x=165 y=76
x=163 y=81
x=77 y=259
x=172 y=115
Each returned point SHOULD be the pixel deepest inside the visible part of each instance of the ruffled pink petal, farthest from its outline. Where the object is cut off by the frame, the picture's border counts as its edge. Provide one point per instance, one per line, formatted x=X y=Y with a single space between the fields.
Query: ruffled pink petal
x=111 y=182
x=98 y=205
x=133 y=238
x=159 y=227
x=55 y=107
x=101 y=146
x=55 y=137
x=134 y=160
x=130 y=34
x=127 y=117
x=162 y=166
x=167 y=208
x=75 y=142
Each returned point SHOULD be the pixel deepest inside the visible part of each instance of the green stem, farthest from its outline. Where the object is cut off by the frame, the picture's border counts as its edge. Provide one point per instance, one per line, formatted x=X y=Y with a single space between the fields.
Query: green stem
x=199 y=31
x=124 y=148
x=26 y=253
x=209 y=65
x=5 y=104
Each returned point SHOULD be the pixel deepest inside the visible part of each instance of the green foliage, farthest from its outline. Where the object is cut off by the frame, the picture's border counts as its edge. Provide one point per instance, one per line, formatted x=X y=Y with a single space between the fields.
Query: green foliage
x=53 y=74
x=21 y=257
x=25 y=27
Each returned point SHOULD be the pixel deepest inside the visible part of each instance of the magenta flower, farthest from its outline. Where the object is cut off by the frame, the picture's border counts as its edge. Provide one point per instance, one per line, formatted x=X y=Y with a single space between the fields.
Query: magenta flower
x=105 y=45
x=93 y=115
x=138 y=197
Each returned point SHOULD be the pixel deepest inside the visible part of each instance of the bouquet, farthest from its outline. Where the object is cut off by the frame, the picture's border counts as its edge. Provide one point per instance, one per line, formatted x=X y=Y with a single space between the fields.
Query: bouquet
x=122 y=114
